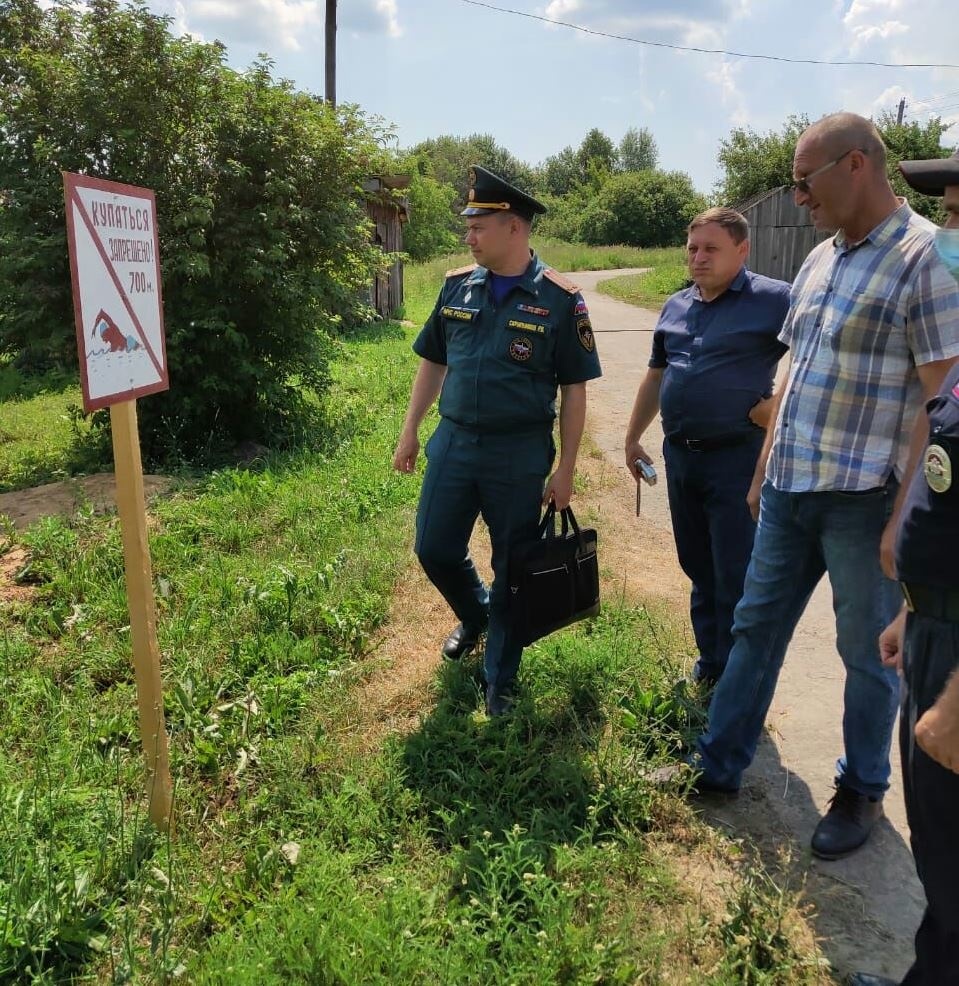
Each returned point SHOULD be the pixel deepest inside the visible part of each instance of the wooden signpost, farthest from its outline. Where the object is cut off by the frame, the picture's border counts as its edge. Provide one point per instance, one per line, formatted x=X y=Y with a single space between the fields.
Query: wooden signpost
x=115 y=268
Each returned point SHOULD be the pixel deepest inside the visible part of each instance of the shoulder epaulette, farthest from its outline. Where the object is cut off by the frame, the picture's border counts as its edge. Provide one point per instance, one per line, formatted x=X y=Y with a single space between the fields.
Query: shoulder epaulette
x=460 y=270
x=556 y=278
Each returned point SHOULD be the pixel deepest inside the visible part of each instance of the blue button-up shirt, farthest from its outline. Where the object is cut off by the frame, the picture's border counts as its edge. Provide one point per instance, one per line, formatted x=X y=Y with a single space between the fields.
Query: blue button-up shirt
x=720 y=356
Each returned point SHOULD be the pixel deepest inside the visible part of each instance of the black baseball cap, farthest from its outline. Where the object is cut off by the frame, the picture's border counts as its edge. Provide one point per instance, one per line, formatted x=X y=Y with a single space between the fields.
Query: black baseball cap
x=931 y=177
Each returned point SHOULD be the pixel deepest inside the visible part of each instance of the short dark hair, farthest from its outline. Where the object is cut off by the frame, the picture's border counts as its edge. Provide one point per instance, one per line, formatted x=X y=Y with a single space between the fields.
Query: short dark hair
x=732 y=221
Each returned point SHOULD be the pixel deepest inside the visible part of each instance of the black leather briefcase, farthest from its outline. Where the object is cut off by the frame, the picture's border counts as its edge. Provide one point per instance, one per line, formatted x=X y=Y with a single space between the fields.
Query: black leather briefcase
x=554 y=578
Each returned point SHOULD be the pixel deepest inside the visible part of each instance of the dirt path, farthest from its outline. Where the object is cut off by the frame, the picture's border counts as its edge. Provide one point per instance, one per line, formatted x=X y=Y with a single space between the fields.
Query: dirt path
x=870 y=904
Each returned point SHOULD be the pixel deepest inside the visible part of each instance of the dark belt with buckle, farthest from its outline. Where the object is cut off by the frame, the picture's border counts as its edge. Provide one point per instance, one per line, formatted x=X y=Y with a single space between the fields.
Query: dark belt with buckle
x=715 y=442
x=931 y=601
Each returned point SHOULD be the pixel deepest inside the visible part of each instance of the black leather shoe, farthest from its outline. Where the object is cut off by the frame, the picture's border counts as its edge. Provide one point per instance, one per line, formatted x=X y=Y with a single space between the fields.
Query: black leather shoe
x=499 y=702
x=867 y=979
x=849 y=819
x=460 y=642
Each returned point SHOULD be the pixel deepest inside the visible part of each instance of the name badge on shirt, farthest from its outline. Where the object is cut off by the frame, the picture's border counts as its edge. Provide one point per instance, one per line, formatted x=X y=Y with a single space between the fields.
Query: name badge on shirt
x=937 y=468
x=460 y=314
x=515 y=323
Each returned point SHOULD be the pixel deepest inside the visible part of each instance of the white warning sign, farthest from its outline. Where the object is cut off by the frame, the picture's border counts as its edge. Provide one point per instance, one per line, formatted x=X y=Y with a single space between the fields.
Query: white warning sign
x=115 y=266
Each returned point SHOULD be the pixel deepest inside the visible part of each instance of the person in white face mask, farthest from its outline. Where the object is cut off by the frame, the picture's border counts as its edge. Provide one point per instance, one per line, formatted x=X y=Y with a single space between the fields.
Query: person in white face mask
x=923 y=641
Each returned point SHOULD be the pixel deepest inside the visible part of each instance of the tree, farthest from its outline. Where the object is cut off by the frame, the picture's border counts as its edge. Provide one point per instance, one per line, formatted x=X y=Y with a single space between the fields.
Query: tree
x=431 y=230
x=450 y=158
x=559 y=173
x=637 y=150
x=590 y=165
x=644 y=208
x=913 y=142
x=263 y=237
x=596 y=158
x=754 y=163
x=564 y=216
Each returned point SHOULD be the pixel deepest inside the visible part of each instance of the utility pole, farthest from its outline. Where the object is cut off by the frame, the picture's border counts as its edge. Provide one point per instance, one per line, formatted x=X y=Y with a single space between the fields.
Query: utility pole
x=331 y=52
x=902 y=109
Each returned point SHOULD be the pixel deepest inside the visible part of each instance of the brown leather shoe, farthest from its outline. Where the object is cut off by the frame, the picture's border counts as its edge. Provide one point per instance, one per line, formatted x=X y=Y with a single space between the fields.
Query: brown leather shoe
x=849 y=819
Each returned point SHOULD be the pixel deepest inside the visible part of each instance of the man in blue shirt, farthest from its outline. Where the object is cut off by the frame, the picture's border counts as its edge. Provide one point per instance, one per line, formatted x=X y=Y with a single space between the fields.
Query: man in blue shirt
x=873 y=327
x=506 y=332
x=715 y=351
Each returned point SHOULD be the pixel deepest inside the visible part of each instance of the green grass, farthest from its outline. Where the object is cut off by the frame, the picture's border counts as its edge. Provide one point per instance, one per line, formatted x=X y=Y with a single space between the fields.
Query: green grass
x=474 y=851
x=648 y=290
x=423 y=281
x=43 y=436
x=470 y=851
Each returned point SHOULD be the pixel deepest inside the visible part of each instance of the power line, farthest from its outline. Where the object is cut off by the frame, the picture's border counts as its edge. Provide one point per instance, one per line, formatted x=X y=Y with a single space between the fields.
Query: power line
x=938 y=101
x=704 y=51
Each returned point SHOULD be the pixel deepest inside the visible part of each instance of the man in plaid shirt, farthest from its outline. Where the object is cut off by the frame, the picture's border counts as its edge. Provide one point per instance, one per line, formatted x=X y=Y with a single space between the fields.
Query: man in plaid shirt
x=873 y=328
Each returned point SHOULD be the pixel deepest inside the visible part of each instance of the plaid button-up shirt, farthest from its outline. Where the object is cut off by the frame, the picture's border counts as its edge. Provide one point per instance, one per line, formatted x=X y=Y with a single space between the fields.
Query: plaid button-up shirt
x=862 y=317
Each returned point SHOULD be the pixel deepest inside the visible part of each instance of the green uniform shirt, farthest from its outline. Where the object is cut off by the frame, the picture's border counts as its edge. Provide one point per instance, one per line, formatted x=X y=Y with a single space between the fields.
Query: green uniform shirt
x=505 y=362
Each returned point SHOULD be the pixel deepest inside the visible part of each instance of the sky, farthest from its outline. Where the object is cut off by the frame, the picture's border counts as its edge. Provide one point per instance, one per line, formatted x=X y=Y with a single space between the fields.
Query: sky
x=447 y=66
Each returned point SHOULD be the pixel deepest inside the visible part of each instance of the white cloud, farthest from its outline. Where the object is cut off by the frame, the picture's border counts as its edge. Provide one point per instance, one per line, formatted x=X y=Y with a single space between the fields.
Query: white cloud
x=696 y=22
x=863 y=33
x=897 y=31
x=925 y=34
x=724 y=78
x=371 y=17
x=293 y=25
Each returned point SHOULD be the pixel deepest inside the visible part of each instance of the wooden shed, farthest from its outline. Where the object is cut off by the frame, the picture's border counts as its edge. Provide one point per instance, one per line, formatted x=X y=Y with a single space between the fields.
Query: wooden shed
x=387 y=211
x=780 y=233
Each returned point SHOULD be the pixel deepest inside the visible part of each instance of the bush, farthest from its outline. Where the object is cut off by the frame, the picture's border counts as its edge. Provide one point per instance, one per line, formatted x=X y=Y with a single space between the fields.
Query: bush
x=263 y=236
x=564 y=217
x=430 y=231
x=646 y=208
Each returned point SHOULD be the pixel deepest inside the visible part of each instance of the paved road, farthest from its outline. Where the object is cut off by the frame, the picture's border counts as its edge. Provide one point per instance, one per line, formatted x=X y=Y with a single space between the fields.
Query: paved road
x=869 y=905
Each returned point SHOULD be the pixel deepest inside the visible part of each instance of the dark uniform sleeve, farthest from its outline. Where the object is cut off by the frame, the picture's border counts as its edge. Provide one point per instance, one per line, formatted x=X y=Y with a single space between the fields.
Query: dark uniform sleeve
x=431 y=342
x=576 y=358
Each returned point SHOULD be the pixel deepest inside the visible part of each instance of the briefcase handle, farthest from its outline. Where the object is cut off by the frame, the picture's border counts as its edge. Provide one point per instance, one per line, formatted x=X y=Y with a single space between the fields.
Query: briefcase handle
x=547 y=526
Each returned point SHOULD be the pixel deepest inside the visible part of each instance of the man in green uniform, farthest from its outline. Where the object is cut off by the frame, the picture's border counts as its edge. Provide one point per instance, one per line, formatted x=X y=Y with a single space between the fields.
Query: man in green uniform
x=505 y=333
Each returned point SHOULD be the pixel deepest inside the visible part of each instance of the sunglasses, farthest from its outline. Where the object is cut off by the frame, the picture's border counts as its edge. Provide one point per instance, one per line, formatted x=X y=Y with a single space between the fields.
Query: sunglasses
x=802 y=184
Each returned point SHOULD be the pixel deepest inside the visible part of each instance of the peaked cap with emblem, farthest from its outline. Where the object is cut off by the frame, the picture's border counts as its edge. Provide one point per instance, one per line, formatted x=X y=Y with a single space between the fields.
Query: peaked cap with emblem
x=931 y=176
x=489 y=193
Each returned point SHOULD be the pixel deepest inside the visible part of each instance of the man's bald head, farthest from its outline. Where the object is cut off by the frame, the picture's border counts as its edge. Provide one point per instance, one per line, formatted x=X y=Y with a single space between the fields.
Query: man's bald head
x=840 y=132
x=839 y=175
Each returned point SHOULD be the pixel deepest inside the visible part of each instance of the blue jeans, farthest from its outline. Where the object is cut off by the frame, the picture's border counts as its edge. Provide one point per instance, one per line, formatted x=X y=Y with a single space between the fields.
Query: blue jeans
x=800 y=537
x=500 y=477
x=714 y=531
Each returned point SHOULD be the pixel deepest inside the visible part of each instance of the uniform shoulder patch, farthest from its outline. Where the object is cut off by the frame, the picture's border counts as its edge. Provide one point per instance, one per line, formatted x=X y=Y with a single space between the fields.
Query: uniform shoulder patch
x=460 y=270
x=563 y=282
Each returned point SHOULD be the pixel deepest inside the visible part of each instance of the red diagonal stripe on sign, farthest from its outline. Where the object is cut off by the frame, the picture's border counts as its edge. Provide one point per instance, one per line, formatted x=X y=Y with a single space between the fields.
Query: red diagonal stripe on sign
x=116 y=281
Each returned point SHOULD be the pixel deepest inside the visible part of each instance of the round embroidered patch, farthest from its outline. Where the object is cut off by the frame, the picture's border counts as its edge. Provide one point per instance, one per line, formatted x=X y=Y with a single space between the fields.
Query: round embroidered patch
x=521 y=349
x=937 y=468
